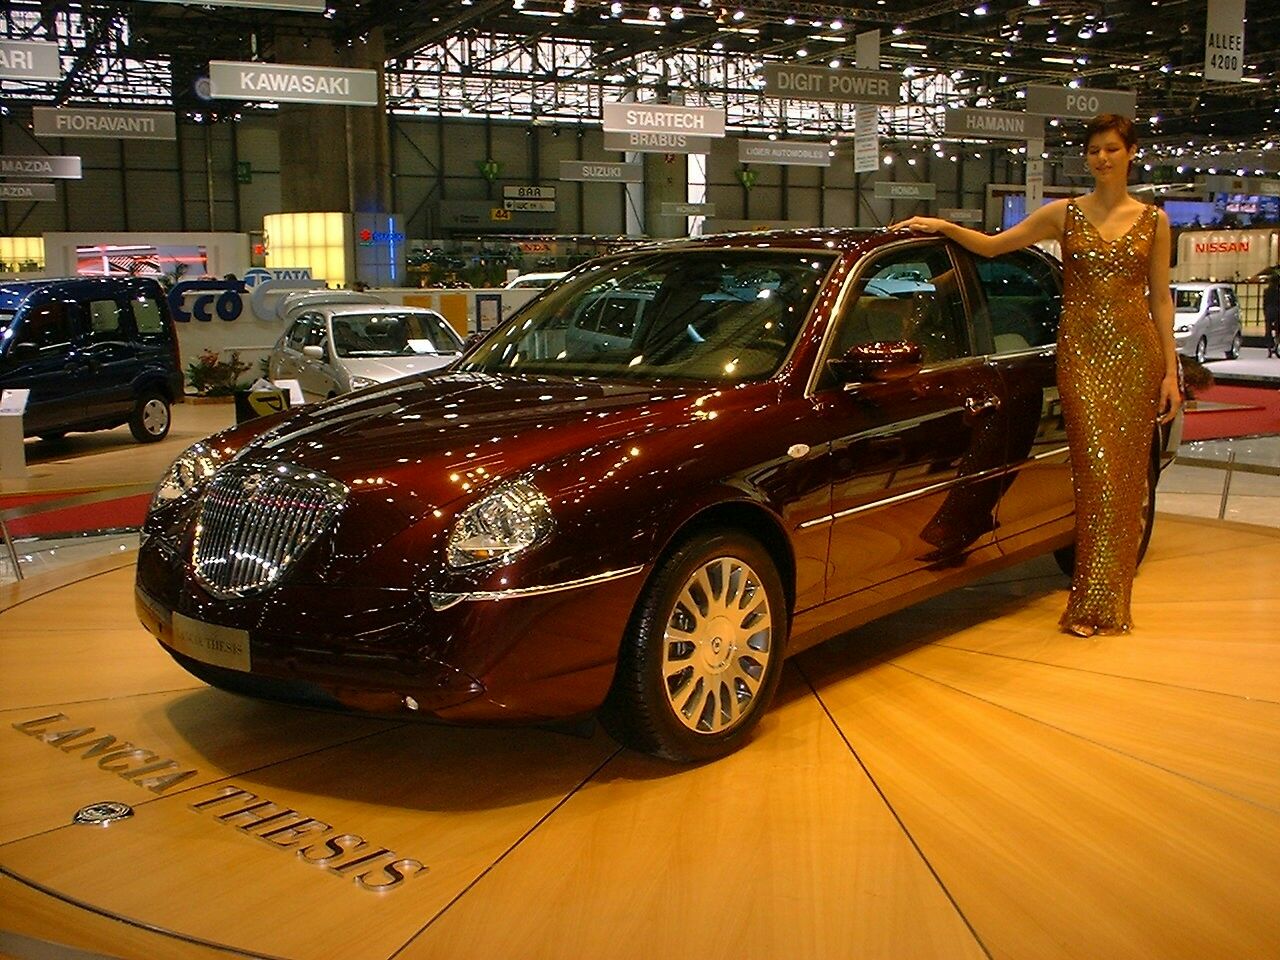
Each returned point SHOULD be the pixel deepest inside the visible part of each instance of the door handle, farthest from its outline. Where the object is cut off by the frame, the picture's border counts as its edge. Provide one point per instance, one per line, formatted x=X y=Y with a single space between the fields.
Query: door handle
x=981 y=404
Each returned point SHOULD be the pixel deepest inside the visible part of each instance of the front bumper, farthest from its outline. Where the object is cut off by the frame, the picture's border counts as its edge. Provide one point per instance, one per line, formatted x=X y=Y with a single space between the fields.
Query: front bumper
x=527 y=657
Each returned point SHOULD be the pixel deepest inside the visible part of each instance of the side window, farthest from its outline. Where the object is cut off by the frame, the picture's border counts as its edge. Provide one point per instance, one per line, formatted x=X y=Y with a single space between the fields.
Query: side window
x=1021 y=301
x=1213 y=298
x=147 y=317
x=618 y=317
x=1229 y=298
x=589 y=318
x=45 y=326
x=910 y=294
x=315 y=335
x=298 y=333
x=104 y=318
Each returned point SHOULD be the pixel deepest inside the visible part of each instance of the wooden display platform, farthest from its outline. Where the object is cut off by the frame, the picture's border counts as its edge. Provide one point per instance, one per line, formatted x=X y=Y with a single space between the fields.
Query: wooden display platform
x=959 y=780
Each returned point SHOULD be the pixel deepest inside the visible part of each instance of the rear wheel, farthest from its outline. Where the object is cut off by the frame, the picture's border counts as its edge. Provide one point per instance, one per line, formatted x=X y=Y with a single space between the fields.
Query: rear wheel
x=1202 y=349
x=1066 y=556
x=703 y=652
x=150 y=419
x=1233 y=352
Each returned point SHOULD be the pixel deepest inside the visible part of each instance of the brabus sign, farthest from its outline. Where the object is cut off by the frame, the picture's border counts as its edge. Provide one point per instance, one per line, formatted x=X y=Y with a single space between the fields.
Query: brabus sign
x=636 y=142
x=52 y=168
x=839 y=86
x=112 y=124
x=279 y=82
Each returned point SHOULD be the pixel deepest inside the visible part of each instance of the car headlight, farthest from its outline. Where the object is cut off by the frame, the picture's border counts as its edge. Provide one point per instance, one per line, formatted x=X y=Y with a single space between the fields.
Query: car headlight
x=193 y=467
x=359 y=383
x=508 y=521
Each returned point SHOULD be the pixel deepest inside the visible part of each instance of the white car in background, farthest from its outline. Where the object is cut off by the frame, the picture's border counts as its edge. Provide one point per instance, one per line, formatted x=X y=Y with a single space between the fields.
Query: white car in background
x=332 y=349
x=1206 y=319
x=533 y=280
x=290 y=305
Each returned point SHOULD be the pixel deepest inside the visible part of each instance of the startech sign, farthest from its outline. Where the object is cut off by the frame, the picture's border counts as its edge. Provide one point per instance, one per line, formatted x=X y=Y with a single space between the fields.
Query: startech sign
x=278 y=82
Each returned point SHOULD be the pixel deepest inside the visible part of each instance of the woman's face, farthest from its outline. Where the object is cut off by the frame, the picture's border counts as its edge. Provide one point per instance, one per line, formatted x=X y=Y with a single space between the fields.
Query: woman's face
x=1108 y=157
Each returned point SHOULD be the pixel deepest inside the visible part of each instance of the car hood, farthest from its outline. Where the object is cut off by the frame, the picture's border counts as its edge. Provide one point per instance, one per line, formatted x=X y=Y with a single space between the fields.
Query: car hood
x=439 y=438
x=383 y=369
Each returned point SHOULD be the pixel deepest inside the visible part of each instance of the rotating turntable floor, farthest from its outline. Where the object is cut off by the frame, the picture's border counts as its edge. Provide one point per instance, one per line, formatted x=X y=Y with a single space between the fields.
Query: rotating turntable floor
x=958 y=780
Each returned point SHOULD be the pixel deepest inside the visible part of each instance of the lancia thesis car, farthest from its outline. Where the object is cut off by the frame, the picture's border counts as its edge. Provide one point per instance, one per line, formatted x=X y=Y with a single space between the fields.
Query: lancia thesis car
x=784 y=436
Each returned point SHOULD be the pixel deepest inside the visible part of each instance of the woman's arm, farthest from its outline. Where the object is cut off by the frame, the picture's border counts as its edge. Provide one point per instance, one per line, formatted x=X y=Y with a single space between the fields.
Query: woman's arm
x=1161 y=302
x=1044 y=223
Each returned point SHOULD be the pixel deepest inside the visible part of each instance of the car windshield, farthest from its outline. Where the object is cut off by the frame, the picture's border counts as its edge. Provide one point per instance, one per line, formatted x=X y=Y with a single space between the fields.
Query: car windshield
x=392 y=335
x=703 y=315
x=1187 y=301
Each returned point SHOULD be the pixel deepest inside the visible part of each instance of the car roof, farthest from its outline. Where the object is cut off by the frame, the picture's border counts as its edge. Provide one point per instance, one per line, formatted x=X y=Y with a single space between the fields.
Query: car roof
x=14 y=293
x=347 y=309
x=817 y=239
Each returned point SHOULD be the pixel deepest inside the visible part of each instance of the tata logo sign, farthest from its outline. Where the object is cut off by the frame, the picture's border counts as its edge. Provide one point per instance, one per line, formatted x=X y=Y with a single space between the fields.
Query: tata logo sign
x=369 y=238
x=260 y=275
x=1222 y=246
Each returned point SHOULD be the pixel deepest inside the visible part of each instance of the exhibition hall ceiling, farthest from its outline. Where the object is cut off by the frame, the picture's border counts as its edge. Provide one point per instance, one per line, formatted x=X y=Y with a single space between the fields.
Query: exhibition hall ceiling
x=555 y=61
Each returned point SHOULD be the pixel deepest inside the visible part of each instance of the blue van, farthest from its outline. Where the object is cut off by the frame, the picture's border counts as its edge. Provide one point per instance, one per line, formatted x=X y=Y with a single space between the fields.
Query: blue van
x=94 y=352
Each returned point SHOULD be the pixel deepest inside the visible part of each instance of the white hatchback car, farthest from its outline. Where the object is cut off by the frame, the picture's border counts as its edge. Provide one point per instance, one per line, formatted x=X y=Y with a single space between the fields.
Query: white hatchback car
x=336 y=348
x=1206 y=319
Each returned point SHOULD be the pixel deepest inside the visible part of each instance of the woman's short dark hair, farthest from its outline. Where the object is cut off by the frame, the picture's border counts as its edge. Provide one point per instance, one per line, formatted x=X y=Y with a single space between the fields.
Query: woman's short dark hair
x=1104 y=122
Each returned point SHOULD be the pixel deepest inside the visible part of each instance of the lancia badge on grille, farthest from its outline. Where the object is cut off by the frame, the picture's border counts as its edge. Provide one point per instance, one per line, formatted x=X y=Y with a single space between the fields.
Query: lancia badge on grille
x=103 y=812
x=252 y=483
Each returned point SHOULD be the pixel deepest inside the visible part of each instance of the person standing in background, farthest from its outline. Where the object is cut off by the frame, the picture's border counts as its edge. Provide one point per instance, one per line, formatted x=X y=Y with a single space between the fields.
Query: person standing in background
x=1117 y=361
x=1271 y=312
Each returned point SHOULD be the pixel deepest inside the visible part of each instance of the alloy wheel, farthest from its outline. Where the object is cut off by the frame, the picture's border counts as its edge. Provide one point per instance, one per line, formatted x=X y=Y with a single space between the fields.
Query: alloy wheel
x=155 y=417
x=716 y=646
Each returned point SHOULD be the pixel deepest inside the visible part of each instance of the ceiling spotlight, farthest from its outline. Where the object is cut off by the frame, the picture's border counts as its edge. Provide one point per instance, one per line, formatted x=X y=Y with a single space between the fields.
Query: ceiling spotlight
x=980 y=10
x=888 y=160
x=1033 y=3
x=835 y=64
x=802 y=52
x=677 y=13
x=837 y=24
x=899 y=30
x=790 y=21
x=615 y=8
x=517 y=4
x=655 y=13
x=570 y=6
x=738 y=14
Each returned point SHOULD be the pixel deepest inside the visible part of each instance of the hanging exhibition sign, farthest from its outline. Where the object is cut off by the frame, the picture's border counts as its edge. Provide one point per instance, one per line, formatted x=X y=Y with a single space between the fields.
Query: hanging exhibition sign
x=993 y=124
x=663 y=118
x=308 y=6
x=112 y=124
x=901 y=190
x=29 y=60
x=960 y=214
x=636 y=142
x=30 y=192
x=792 y=82
x=52 y=168
x=1224 y=40
x=688 y=209
x=866 y=116
x=785 y=152
x=540 y=206
x=598 y=170
x=523 y=192
x=289 y=83
x=1080 y=103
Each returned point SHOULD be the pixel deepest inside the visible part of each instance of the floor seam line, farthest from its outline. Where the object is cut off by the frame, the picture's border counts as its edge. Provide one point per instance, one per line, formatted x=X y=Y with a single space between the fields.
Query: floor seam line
x=1086 y=739
x=506 y=853
x=893 y=812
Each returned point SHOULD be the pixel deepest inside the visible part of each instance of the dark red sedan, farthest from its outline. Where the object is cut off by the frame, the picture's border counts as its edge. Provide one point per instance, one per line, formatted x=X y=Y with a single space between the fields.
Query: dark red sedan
x=672 y=469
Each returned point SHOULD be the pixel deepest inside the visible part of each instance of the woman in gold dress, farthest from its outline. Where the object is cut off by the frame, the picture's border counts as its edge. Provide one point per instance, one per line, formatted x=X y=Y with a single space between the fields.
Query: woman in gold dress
x=1117 y=363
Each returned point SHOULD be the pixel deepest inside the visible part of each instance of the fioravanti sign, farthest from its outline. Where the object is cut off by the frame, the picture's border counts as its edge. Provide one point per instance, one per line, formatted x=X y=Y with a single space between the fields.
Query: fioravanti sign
x=109 y=124
x=280 y=83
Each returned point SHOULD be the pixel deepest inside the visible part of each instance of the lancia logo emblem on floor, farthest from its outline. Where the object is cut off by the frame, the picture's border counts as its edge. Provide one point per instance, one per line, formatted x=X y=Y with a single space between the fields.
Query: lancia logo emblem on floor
x=103 y=812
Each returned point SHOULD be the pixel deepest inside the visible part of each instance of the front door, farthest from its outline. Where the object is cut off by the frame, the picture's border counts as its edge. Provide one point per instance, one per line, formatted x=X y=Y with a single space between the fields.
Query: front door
x=42 y=359
x=110 y=358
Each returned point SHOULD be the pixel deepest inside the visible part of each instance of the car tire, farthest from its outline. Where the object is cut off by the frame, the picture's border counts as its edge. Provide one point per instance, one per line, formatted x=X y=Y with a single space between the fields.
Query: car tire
x=1066 y=556
x=1233 y=352
x=720 y=596
x=149 y=422
x=1202 y=349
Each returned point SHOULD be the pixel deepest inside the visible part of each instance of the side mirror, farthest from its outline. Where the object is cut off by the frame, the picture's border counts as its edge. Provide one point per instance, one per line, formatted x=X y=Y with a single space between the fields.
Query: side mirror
x=878 y=361
x=23 y=351
x=314 y=351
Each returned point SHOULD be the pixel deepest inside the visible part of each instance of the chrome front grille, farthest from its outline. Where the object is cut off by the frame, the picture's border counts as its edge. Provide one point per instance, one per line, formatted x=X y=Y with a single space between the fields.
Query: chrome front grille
x=254 y=522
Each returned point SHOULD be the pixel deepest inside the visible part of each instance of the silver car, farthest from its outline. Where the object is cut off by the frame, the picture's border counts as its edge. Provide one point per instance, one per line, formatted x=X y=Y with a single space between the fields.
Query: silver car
x=336 y=348
x=1206 y=319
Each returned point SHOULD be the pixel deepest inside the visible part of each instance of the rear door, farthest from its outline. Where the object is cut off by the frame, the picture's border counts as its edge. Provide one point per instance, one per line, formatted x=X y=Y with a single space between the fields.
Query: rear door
x=111 y=361
x=1018 y=305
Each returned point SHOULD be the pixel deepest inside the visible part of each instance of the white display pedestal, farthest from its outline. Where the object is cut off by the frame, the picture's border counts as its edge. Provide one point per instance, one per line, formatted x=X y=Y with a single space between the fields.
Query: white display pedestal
x=13 y=454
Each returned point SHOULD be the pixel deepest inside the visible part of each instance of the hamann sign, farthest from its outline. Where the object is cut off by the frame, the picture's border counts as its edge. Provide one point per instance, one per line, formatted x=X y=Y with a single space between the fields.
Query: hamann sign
x=824 y=83
x=993 y=124
x=52 y=168
x=114 y=124
x=663 y=118
x=278 y=82
x=29 y=60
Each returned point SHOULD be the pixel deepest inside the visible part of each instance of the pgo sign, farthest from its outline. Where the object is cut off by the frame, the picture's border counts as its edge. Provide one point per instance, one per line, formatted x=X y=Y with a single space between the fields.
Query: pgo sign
x=221 y=297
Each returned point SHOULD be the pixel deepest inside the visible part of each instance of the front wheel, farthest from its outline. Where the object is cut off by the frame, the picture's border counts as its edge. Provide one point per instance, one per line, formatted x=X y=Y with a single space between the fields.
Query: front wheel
x=1202 y=349
x=703 y=651
x=150 y=419
x=1233 y=352
x=1066 y=556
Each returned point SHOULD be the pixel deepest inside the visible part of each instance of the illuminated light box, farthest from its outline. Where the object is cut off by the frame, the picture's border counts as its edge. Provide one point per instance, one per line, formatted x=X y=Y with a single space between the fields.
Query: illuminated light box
x=21 y=254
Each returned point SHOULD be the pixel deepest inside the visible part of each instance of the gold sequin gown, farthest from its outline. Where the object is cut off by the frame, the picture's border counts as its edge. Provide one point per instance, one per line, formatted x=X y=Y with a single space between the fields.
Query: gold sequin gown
x=1110 y=366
